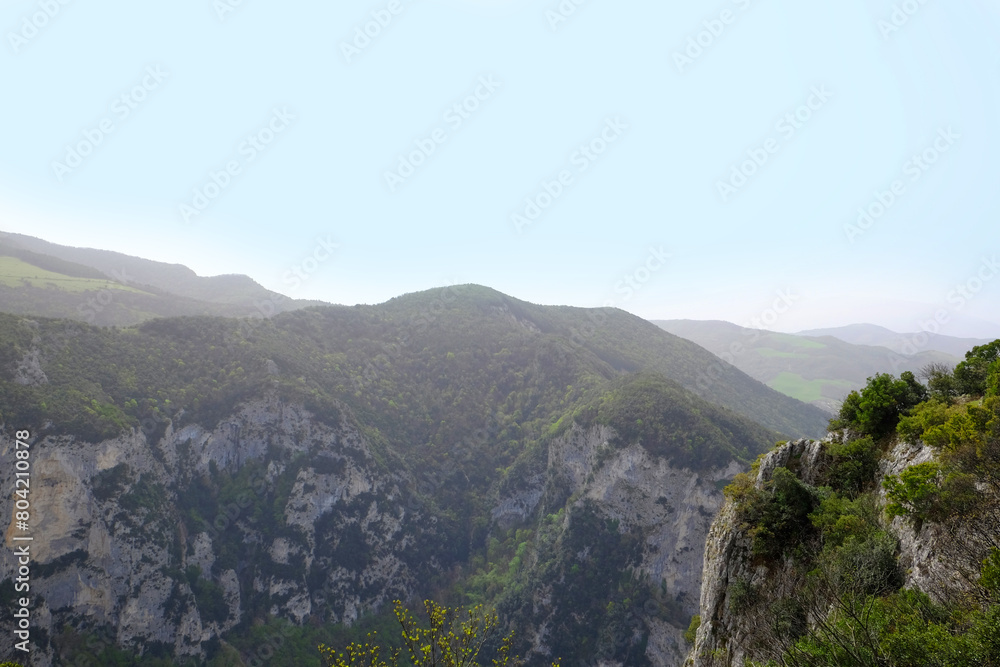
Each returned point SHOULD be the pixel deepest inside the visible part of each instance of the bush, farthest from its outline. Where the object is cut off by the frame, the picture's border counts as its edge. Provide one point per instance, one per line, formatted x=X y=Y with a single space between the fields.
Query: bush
x=914 y=494
x=854 y=465
x=778 y=515
x=742 y=595
x=692 y=632
x=972 y=375
x=877 y=408
x=865 y=567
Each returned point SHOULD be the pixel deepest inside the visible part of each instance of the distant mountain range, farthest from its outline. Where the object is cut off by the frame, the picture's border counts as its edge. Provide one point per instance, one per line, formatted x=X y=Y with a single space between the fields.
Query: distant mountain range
x=108 y=288
x=819 y=368
x=901 y=343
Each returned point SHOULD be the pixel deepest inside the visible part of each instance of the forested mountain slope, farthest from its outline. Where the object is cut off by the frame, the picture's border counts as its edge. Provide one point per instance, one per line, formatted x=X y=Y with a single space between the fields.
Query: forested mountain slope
x=241 y=480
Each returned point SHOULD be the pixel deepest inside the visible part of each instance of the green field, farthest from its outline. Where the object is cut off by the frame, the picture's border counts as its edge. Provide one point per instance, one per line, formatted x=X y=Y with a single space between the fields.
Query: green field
x=778 y=354
x=808 y=391
x=16 y=273
x=799 y=341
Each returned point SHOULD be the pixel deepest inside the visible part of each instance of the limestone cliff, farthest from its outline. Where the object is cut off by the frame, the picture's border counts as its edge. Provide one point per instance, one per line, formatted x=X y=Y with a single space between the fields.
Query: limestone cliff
x=172 y=541
x=731 y=633
x=113 y=545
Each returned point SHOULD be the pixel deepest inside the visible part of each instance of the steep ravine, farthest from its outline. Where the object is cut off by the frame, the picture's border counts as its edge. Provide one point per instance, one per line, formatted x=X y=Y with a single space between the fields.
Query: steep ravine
x=172 y=541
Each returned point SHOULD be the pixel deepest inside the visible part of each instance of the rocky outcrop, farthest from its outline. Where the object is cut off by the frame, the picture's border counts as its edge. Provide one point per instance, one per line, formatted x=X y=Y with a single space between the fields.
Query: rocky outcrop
x=722 y=636
x=670 y=507
x=725 y=636
x=113 y=545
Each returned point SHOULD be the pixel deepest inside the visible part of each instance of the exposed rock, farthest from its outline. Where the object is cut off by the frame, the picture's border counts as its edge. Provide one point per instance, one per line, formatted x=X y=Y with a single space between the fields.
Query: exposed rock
x=722 y=638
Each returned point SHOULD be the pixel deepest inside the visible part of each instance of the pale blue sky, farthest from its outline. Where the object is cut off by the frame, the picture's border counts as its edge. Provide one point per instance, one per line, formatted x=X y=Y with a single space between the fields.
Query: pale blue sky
x=678 y=129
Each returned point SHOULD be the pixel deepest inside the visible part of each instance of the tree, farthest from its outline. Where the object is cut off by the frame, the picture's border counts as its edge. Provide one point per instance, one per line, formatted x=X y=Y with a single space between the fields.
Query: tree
x=971 y=375
x=447 y=641
x=940 y=380
x=876 y=409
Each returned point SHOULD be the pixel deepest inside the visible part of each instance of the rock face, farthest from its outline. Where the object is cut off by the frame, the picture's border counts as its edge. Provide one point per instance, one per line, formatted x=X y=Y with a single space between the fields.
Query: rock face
x=724 y=637
x=168 y=543
x=721 y=638
x=111 y=546
x=669 y=508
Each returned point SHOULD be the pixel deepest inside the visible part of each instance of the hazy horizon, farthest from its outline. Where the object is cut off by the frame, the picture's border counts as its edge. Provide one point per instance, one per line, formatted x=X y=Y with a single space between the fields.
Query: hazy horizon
x=582 y=154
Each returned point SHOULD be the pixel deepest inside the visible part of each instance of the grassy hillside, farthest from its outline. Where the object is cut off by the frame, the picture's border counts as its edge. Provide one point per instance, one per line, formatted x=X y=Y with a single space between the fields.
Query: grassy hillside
x=816 y=370
x=111 y=289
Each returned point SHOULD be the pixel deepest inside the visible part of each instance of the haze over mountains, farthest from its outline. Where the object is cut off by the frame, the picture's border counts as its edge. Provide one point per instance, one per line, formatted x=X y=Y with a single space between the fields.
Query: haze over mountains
x=236 y=477
x=819 y=369
x=902 y=343
x=109 y=288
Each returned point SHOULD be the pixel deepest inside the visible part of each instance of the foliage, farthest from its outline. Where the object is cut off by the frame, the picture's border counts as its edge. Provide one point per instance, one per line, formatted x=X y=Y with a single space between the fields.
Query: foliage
x=877 y=408
x=692 y=632
x=972 y=375
x=447 y=640
x=859 y=615
x=900 y=629
x=777 y=516
x=915 y=492
x=672 y=423
x=853 y=464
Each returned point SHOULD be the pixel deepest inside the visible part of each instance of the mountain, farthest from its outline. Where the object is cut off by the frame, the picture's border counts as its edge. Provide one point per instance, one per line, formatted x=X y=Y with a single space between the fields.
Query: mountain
x=820 y=370
x=204 y=487
x=108 y=288
x=901 y=343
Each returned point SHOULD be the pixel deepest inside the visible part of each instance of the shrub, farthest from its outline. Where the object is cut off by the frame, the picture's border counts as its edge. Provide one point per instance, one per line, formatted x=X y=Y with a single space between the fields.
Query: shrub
x=876 y=409
x=778 y=515
x=742 y=595
x=972 y=375
x=692 y=632
x=854 y=465
x=914 y=493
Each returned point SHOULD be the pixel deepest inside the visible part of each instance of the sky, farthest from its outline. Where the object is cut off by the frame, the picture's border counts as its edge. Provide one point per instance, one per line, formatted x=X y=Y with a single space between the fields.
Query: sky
x=800 y=165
